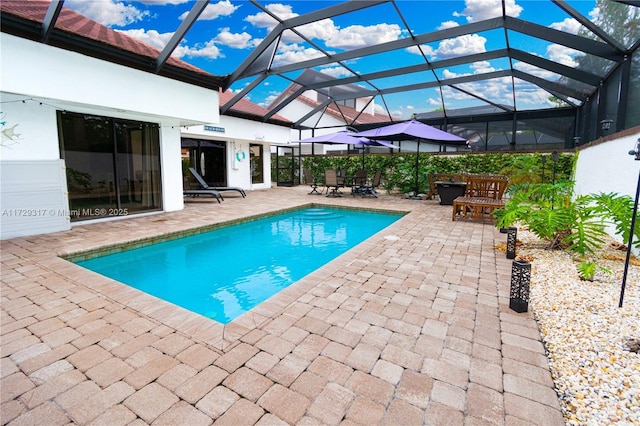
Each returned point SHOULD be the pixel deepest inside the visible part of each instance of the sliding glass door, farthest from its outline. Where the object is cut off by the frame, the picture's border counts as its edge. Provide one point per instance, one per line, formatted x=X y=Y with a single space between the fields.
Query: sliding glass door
x=113 y=166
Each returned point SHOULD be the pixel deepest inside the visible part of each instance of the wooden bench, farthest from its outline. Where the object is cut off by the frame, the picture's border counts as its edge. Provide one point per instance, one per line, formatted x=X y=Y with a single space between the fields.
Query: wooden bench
x=484 y=195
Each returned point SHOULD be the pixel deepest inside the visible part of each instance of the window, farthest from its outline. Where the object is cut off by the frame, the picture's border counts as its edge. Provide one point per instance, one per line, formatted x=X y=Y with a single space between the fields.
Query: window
x=113 y=166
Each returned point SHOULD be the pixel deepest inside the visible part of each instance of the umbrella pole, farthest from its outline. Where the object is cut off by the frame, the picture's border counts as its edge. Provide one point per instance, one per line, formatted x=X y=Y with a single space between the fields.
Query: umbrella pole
x=417 y=166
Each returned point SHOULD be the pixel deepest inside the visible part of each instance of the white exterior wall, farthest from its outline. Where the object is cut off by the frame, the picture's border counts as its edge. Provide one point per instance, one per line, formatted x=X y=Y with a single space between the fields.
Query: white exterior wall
x=42 y=71
x=238 y=135
x=49 y=79
x=608 y=167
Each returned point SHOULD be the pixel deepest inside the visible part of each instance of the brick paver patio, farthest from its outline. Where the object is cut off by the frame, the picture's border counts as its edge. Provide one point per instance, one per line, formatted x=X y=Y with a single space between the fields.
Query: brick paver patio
x=410 y=327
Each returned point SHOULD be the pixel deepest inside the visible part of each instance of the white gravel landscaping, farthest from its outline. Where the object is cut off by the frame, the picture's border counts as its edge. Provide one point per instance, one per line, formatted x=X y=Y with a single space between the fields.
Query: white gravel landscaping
x=589 y=339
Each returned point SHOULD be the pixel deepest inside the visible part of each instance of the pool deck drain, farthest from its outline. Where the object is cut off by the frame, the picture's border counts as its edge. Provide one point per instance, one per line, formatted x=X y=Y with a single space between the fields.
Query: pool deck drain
x=413 y=329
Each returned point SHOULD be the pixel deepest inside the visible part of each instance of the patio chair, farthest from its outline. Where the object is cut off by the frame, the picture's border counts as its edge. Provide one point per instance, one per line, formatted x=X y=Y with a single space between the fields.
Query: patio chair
x=331 y=183
x=311 y=182
x=369 y=190
x=342 y=175
x=205 y=185
x=359 y=181
x=197 y=192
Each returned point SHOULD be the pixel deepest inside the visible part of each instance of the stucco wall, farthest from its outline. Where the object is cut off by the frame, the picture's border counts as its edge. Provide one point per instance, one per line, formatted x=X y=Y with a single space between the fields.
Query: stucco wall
x=38 y=80
x=606 y=166
x=42 y=71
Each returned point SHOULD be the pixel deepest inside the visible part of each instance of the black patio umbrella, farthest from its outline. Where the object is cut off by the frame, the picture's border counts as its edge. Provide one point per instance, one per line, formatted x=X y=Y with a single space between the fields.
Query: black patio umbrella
x=413 y=130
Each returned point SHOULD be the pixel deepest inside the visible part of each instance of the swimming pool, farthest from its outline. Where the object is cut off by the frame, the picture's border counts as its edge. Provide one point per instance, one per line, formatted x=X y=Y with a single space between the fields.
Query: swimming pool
x=224 y=273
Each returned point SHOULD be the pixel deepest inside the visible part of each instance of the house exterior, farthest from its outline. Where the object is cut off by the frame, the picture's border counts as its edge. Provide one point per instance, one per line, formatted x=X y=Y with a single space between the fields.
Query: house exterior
x=235 y=152
x=88 y=135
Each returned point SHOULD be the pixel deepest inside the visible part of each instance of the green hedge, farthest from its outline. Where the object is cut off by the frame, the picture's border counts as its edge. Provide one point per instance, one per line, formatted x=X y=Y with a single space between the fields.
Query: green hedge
x=398 y=170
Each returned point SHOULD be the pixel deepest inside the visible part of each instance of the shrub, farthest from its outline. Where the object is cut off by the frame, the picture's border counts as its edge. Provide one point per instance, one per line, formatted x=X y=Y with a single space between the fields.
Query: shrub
x=576 y=224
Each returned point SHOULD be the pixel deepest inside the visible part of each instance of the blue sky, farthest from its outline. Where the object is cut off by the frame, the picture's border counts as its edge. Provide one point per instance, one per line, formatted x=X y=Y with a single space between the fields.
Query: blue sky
x=228 y=30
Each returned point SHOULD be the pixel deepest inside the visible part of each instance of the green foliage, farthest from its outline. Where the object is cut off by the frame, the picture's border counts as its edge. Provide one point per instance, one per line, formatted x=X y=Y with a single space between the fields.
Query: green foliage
x=618 y=210
x=186 y=163
x=576 y=224
x=587 y=270
x=399 y=170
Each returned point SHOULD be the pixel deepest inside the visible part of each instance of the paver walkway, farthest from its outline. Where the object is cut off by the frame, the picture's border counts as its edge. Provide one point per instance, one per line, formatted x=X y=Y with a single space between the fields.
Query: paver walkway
x=411 y=327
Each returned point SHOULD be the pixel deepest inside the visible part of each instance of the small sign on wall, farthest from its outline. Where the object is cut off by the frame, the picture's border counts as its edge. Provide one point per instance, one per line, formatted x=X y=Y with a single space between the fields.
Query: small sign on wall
x=214 y=129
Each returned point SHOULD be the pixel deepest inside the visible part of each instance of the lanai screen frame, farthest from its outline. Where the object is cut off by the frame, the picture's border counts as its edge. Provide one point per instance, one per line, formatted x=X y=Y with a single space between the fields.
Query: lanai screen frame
x=606 y=97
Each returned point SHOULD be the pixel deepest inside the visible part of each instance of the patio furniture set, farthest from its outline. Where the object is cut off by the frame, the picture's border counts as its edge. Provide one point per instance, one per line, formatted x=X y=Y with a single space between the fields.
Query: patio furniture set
x=472 y=196
x=334 y=180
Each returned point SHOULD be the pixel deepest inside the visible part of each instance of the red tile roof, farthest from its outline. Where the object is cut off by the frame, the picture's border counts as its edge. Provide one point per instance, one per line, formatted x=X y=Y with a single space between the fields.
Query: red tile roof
x=341 y=112
x=79 y=25
x=244 y=106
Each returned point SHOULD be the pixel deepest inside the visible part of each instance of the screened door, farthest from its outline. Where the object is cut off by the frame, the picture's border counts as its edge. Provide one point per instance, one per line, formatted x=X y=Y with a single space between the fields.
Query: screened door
x=257 y=163
x=285 y=166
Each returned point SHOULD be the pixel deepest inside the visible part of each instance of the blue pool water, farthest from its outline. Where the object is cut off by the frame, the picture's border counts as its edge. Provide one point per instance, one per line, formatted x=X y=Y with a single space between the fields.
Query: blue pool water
x=223 y=273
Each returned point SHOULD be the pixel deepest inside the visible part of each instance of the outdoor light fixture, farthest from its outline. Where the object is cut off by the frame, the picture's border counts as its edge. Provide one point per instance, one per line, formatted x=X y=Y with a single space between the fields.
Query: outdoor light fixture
x=606 y=124
x=636 y=153
x=519 y=291
x=512 y=234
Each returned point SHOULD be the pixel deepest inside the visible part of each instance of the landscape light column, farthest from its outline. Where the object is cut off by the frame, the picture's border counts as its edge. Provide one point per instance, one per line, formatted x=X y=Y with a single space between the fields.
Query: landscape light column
x=519 y=290
x=512 y=235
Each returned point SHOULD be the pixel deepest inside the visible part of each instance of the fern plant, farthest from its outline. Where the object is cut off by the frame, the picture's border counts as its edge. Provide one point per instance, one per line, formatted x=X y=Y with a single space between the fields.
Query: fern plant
x=576 y=224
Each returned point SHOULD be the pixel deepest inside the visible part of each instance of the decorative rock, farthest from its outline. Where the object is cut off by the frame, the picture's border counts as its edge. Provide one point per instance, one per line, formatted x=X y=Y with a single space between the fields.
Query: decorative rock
x=592 y=355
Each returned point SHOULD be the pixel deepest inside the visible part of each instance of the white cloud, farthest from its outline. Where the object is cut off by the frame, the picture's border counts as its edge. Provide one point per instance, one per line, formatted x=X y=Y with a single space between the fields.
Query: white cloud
x=533 y=70
x=294 y=53
x=163 y=2
x=234 y=40
x=453 y=47
x=481 y=67
x=264 y=20
x=478 y=10
x=150 y=37
x=356 y=36
x=569 y=25
x=208 y=50
x=404 y=112
x=446 y=74
x=426 y=49
x=214 y=11
x=459 y=46
x=157 y=40
x=351 y=37
x=563 y=55
x=269 y=99
x=336 y=72
x=448 y=24
x=107 y=12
